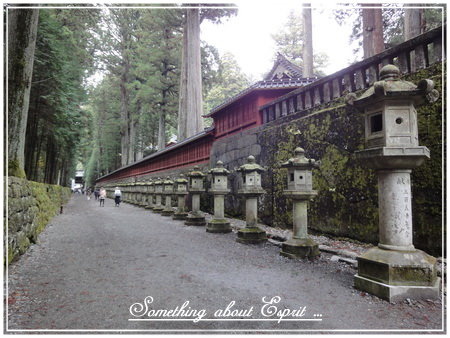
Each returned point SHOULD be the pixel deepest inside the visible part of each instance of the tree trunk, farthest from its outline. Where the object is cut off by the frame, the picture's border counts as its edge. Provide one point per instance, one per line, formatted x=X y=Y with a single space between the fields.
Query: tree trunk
x=125 y=123
x=182 y=113
x=161 y=130
x=373 y=42
x=413 y=27
x=413 y=22
x=307 y=41
x=132 y=142
x=22 y=29
x=162 y=122
x=191 y=90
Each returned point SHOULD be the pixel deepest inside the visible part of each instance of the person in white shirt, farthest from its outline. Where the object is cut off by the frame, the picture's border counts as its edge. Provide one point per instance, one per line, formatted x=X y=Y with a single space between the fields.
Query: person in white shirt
x=117 y=195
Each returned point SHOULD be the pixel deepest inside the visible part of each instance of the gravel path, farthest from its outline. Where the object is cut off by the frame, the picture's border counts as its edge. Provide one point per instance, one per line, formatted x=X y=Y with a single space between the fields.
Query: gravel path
x=91 y=264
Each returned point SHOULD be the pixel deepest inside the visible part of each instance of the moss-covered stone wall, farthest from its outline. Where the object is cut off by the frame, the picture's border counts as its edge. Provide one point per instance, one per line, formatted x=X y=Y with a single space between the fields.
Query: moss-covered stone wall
x=347 y=200
x=30 y=205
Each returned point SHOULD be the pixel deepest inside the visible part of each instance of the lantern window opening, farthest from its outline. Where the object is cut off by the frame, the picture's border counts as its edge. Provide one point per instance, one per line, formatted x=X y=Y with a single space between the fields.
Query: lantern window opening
x=292 y=177
x=376 y=123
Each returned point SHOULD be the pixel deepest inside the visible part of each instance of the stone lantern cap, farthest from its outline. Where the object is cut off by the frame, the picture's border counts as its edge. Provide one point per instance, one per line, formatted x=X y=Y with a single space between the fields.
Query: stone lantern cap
x=168 y=181
x=181 y=181
x=391 y=86
x=158 y=181
x=168 y=185
x=219 y=188
x=196 y=173
x=219 y=169
x=300 y=161
x=251 y=165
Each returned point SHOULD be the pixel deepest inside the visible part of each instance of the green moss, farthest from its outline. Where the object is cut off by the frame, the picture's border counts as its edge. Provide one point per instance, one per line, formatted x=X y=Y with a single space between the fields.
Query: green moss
x=43 y=202
x=347 y=200
x=14 y=169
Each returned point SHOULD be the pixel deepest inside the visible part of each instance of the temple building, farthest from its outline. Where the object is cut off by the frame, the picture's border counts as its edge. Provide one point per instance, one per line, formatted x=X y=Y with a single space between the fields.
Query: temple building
x=240 y=112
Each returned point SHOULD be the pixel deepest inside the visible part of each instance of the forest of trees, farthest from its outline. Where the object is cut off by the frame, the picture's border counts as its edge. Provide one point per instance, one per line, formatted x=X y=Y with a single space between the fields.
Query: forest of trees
x=105 y=87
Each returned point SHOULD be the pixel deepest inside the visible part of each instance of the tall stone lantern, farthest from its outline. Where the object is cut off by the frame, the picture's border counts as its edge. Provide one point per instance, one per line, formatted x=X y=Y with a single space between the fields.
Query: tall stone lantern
x=150 y=191
x=196 y=187
x=395 y=269
x=140 y=194
x=299 y=189
x=168 y=192
x=159 y=186
x=181 y=191
x=219 y=188
x=251 y=190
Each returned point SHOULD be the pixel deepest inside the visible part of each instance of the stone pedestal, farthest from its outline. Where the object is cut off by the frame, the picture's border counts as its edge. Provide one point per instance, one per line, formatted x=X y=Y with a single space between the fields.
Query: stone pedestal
x=150 y=203
x=300 y=245
x=396 y=275
x=219 y=224
x=195 y=217
x=158 y=207
x=181 y=213
x=251 y=234
x=168 y=211
x=395 y=270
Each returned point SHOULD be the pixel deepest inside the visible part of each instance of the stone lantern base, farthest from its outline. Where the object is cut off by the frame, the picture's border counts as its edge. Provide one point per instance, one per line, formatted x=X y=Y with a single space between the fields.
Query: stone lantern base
x=300 y=248
x=251 y=236
x=195 y=219
x=218 y=226
x=158 y=209
x=167 y=212
x=180 y=216
x=149 y=207
x=396 y=275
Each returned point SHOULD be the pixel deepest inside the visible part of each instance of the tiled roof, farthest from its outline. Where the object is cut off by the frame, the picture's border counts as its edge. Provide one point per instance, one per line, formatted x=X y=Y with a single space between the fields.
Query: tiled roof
x=265 y=84
x=292 y=69
x=201 y=134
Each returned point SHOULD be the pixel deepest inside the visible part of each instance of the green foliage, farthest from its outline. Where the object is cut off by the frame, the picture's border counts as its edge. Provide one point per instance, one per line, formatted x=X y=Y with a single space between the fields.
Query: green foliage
x=393 y=22
x=56 y=117
x=230 y=81
x=289 y=42
x=103 y=146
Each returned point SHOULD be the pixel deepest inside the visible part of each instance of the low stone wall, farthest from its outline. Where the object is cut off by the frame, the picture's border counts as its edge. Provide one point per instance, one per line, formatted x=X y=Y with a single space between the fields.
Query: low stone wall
x=31 y=205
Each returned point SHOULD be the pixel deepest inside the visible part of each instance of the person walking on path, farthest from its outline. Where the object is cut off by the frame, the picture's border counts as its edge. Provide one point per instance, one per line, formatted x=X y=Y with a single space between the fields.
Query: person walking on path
x=102 y=196
x=117 y=196
x=96 y=193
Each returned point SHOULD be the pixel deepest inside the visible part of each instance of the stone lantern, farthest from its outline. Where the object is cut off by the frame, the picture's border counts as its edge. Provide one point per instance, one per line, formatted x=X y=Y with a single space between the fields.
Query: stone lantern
x=128 y=192
x=158 y=207
x=168 y=192
x=150 y=191
x=196 y=187
x=395 y=269
x=299 y=189
x=133 y=193
x=181 y=191
x=144 y=194
x=219 y=188
x=139 y=193
x=251 y=189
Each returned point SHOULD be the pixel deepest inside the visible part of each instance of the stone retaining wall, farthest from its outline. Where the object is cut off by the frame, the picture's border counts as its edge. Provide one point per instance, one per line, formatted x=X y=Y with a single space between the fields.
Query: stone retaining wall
x=31 y=205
